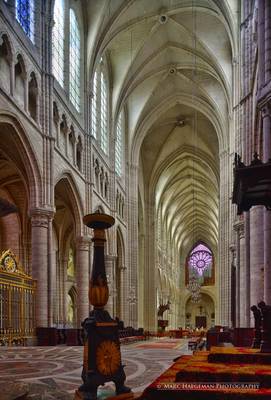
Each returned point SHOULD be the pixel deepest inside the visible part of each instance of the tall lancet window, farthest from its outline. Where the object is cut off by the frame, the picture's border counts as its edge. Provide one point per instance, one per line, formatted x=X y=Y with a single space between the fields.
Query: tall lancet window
x=25 y=16
x=74 y=81
x=104 y=110
x=58 y=42
x=119 y=145
x=94 y=105
x=99 y=107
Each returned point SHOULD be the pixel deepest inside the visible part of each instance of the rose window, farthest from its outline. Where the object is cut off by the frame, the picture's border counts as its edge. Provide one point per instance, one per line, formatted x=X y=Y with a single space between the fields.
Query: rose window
x=200 y=259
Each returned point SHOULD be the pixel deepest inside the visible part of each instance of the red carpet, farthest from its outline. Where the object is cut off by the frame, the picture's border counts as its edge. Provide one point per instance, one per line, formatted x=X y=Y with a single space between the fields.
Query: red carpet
x=162 y=344
x=238 y=355
x=194 y=378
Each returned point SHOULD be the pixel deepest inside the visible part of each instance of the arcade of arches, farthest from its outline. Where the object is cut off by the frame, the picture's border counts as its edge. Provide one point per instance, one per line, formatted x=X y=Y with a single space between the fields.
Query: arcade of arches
x=143 y=125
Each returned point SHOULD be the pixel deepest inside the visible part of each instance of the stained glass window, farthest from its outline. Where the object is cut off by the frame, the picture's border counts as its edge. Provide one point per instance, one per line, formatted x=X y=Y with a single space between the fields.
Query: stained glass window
x=104 y=133
x=99 y=107
x=74 y=81
x=119 y=145
x=200 y=265
x=94 y=101
x=70 y=267
x=200 y=258
x=25 y=16
x=58 y=42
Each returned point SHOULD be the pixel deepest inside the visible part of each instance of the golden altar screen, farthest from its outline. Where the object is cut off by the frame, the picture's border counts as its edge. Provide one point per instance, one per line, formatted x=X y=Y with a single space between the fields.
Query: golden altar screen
x=17 y=302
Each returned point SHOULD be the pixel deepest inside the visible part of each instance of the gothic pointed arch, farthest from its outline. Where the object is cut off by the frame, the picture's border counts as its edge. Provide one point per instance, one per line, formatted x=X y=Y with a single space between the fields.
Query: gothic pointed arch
x=201 y=314
x=71 y=299
x=20 y=80
x=73 y=198
x=16 y=146
x=5 y=61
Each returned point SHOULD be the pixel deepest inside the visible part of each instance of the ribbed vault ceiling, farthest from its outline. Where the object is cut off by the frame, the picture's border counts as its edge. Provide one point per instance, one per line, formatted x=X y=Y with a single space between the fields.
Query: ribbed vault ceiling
x=171 y=68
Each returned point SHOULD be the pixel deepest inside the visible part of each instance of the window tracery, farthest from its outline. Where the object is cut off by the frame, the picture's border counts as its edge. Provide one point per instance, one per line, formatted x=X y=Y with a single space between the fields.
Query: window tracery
x=25 y=16
x=94 y=114
x=200 y=265
x=99 y=107
x=119 y=145
x=58 y=42
x=66 y=51
x=74 y=80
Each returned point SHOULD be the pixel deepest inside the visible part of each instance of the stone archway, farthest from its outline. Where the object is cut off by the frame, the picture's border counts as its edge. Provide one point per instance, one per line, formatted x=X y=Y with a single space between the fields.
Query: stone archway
x=66 y=227
x=20 y=183
x=71 y=307
x=200 y=314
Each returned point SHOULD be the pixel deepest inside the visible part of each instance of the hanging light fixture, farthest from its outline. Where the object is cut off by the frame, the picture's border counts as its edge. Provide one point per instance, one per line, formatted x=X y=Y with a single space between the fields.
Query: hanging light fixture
x=195 y=274
x=196 y=297
x=193 y=285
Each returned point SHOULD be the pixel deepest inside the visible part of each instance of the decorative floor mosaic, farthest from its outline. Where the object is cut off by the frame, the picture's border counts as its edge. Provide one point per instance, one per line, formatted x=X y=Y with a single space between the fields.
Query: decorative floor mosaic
x=60 y=367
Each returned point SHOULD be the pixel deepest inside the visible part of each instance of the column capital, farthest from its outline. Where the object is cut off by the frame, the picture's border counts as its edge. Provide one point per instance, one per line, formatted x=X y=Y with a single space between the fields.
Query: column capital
x=133 y=166
x=41 y=216
x=224 y=153
x=266 y=110
x=239 y=227
x=110 y=257
x=83 y=243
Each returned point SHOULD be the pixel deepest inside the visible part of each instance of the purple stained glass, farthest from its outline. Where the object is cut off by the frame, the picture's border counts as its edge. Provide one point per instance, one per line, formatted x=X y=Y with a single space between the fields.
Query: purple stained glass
x=200 y=258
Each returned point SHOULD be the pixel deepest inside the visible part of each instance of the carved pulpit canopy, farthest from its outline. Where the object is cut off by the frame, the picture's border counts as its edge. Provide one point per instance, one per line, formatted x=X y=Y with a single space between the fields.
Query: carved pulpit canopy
x=252 y=184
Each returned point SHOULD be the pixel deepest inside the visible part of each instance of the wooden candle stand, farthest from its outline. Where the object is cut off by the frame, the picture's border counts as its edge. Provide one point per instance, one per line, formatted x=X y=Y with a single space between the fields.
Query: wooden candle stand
x=102 y=357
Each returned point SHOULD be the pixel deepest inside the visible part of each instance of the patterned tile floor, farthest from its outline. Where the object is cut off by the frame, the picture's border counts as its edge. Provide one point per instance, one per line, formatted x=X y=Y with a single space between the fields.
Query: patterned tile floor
x=60 y=367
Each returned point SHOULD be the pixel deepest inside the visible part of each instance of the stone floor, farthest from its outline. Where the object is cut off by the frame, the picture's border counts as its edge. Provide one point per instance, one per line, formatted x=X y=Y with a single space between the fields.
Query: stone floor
x=54 y=372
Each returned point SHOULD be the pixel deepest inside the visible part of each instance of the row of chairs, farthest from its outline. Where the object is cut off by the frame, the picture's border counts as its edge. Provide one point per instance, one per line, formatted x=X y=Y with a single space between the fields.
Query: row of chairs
x=130 y=335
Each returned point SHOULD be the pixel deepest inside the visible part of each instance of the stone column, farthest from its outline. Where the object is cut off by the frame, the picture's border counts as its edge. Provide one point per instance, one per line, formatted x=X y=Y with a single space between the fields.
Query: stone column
x=224 y=266
x=141 y=278
x=247 y=266
x=51 y=275
x=234 y=287
x=150 y=273
x=243 y=300
x=261 y=43
x=39 y=239
x=267 y=40
x=266 y=113
x=110 y=265
x=82 y=277
x=237 y=246
x=256 y=255
x=130 y=287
